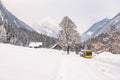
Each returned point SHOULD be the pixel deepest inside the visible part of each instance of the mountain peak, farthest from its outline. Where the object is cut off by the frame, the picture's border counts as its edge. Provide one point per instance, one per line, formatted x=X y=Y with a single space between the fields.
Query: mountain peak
x=48 y=20
x=47 y=26
x=94 y=29
x=102 y=27
x=118 y=15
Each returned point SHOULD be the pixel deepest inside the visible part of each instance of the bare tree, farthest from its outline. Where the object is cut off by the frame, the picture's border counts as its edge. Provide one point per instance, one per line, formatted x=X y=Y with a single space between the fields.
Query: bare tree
x=68 y=36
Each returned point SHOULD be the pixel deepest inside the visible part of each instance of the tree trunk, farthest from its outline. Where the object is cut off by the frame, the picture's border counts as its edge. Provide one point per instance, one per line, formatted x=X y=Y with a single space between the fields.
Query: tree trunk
x=77 y=50
x=68 y=49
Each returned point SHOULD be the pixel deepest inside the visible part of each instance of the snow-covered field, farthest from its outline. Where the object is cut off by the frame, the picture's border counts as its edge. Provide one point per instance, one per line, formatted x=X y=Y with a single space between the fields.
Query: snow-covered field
x=20 y=63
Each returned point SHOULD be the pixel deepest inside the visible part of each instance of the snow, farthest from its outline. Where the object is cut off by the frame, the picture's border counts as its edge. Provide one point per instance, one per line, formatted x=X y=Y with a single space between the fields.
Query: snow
x=108 y=57
x=74 y=67
x=21 y=63
x=15 y=22
x=89 y=33
x=116 y=21
x=110 y=65
x=17 y=63
x=35 y=44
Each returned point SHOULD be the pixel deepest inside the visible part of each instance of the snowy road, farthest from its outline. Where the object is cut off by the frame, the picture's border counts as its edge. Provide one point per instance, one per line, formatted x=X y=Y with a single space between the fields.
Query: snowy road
x=74 y=67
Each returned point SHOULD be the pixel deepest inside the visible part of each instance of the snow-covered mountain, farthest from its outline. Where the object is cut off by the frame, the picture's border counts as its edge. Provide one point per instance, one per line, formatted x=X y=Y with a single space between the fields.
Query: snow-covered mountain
x=94 y=29
x=114 y=22
x=7 y=16
x=47 y=26
x=101 y=27
x=13 y=30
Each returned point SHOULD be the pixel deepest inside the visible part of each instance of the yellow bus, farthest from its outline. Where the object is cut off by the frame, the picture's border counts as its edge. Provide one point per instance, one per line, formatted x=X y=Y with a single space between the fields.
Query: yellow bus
x=87 y=53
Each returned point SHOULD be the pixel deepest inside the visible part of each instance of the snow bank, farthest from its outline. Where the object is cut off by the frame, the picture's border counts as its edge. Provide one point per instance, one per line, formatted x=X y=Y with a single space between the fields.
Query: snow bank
x=108 y=58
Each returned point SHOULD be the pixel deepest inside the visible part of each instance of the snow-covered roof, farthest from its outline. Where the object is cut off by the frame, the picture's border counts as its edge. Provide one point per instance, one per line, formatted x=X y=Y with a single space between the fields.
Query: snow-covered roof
x=35 y=44
x=55 y=46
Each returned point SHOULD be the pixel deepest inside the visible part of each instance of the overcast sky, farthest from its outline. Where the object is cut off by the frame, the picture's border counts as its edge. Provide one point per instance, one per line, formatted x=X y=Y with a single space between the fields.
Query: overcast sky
x=83 y=12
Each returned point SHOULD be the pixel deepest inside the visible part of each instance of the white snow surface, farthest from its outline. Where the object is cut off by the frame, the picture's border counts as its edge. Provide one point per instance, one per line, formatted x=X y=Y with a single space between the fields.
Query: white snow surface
x=20 y=63
x=108 y=57
x=89 y=33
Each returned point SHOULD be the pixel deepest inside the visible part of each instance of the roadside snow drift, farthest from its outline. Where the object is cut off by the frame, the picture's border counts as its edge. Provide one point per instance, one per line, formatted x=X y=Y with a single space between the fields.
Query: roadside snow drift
x=108 y=57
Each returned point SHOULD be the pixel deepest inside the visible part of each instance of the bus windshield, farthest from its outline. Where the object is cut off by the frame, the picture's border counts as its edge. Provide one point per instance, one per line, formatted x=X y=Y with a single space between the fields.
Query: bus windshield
x=88 y=53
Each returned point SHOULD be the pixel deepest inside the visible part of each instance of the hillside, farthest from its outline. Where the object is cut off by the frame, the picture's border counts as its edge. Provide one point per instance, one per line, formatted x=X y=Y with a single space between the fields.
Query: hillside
x=94 y=29
x=14 y=31
x=104 y=35
x=101 y=27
